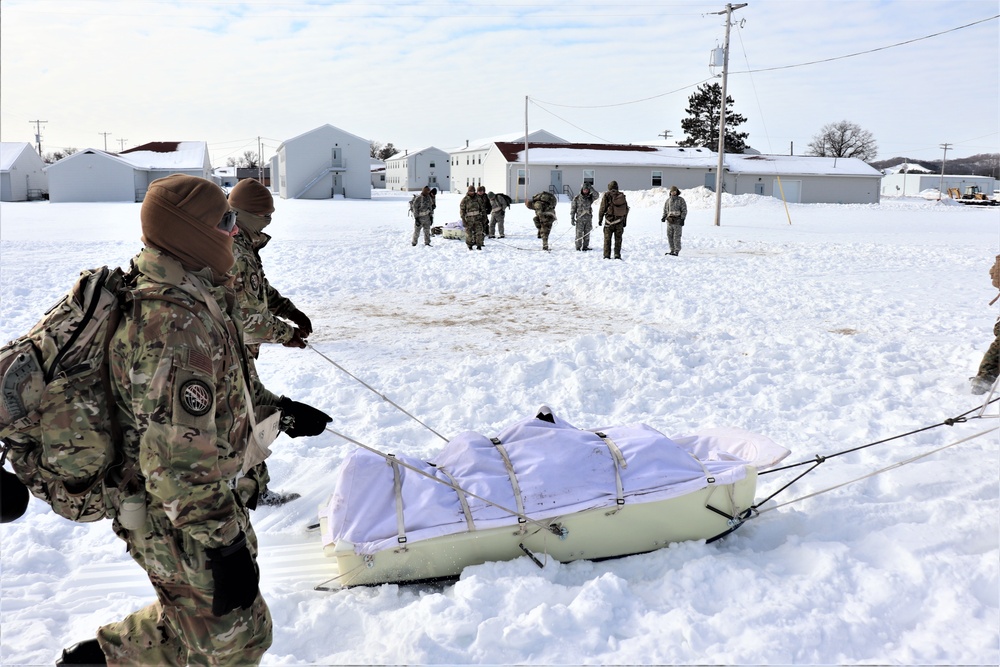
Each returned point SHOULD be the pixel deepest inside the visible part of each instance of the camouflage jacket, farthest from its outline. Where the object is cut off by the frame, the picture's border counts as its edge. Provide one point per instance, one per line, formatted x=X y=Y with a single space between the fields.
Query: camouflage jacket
x=471 y=208
x=675 y=207
x=260 y=305
x=423 y=207
x=179 y=379
x=582 y=206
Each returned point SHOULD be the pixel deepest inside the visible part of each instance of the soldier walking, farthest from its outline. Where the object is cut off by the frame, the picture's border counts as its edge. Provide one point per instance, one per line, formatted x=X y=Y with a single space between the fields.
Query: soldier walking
x=544 y=206
x=581 y=216
x=499 y=203
x=613 y=214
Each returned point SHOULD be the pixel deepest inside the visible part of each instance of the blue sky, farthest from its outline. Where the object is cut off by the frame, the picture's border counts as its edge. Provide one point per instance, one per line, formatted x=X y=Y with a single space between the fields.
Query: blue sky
x=439 y=73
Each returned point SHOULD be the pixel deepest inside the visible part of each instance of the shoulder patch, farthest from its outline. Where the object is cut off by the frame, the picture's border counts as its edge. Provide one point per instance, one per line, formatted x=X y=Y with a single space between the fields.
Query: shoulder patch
x=196 y=397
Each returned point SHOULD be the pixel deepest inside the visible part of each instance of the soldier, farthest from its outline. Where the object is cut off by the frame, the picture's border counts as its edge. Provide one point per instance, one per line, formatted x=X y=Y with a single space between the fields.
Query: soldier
x=989 y=367
x=184 y=401
x=544 y=206
x=581 y=216
x=485 y=205
x=262 y=308
x=498 y=210
x=473 y=214
x=423 y=212
x=613 y=214
x=675 y=211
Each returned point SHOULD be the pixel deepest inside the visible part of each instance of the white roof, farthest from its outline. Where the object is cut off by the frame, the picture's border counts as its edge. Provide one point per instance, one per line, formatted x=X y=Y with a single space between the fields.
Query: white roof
x=660 y=157
x=9 y=152
x=909 y=168
x=538 y=136
x=799 y=164
x=186 y=155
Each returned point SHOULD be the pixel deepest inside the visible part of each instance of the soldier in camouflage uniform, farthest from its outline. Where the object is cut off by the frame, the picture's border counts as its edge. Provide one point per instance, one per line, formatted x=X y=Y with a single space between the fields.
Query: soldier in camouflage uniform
x=675 y=211
x=423 y=215
x=498 y=210
x=473 y=214
x=180 y=379
x=544 y=206
x=614 y=226
x=581 y=216
x=262 y=308
x=486 y=207
x=989 y=367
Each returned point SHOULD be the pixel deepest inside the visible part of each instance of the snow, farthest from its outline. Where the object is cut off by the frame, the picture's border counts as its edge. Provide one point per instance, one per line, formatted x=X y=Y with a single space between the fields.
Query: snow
x=9 y=152
x=822 y=327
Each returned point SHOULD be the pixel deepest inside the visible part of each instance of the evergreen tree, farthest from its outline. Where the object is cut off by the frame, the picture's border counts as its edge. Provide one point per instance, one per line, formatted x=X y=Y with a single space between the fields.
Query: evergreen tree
x=702 y=124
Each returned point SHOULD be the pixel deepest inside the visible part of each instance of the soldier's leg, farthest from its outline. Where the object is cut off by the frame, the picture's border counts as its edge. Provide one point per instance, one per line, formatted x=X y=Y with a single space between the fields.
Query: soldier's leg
x=427 y=230
x=470 y=234
x=607 y=241
x=618 y=240
x=989 y=368
x=538 y=225
x=500 y=218
x=493 y=225
x=416 y=231
x=546 y=230
x=180 y=628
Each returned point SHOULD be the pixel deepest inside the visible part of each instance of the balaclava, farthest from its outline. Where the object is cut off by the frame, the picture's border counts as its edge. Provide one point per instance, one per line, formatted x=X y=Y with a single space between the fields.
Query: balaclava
x=253 y=203
x=180 y=215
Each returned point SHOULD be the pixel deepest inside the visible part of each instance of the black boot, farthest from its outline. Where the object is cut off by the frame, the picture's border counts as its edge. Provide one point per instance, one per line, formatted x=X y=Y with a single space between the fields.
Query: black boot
x=85 y=653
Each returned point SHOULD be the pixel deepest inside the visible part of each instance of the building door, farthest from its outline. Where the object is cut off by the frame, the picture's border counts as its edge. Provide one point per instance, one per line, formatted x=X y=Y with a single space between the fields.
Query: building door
x=758 y=188
x=710 y=181
x=338 y=186
x=556 y=180
x=790 y=191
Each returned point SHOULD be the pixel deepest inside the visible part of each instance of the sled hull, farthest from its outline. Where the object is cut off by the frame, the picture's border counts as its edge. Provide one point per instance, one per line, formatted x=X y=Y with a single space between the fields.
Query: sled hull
x=606 y=532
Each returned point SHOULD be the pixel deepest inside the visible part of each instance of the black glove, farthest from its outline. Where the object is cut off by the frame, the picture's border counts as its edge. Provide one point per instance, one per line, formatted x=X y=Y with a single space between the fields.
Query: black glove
x=663 y=219
x=235 y=577
x=302 y=322
x=298 y=339
x=14 y=500
x=298 y=419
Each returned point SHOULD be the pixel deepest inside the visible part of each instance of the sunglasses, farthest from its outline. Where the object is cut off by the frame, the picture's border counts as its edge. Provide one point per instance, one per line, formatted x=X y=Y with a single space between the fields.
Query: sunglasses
x=228 y=222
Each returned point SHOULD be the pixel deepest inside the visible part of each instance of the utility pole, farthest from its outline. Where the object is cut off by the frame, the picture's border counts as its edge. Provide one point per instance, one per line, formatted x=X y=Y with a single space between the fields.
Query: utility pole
x=941 y=184
x=525 y=150
x=121 y=143
x=722 y=113
x=38 y=134
x=105 y=140
x=260 y=162
x=665 y=134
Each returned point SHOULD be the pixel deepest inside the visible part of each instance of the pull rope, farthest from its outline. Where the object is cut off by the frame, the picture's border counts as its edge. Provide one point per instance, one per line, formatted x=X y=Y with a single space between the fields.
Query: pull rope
x=756 y=511
x=960 y=419
x=454 y=487
x=375 y=391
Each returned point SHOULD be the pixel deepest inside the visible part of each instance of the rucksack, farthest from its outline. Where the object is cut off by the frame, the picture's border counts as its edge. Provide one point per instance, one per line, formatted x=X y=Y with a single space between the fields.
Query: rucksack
x=618 y=205
x=56 y=406
x=413 y=202
x=505 y=200
x=547 y=199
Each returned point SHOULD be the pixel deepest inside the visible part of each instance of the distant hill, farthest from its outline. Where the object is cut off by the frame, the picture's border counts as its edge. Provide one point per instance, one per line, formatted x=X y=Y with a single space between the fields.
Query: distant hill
x=984 y=164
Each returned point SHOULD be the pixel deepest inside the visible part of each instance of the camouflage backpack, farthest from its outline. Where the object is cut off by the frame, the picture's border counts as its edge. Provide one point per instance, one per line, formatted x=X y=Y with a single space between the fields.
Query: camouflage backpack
x=56 y=408
x=546 y=199
x=618 y=206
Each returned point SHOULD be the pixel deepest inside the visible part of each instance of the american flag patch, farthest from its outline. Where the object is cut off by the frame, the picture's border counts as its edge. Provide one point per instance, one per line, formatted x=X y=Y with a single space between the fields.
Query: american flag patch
x=200 y=361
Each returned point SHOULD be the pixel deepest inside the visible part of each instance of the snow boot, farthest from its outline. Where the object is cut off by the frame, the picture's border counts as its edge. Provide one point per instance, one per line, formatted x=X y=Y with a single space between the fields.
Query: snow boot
x=980 y=385
x=84 y=653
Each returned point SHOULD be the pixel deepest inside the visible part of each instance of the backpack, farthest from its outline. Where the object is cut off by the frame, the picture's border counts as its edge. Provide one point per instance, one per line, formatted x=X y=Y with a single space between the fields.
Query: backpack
x=56 y=407
x=505 y=201
x=413 y=204
x=546 y=199
x=617 y=205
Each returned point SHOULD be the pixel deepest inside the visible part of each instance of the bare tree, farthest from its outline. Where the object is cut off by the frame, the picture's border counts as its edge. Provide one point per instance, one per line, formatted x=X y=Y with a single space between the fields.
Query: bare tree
x=55 y=156
x=844 y=139
x=375 y=147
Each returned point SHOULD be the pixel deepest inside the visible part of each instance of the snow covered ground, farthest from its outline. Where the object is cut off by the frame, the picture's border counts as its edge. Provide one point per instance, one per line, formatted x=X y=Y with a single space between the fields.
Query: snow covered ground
x=823 y=327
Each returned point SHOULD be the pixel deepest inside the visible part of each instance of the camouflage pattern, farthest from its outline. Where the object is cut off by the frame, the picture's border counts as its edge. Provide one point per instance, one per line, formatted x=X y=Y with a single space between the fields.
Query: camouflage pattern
x=613 y=230
x=675 y=211
x=581 y=216
x=989 y=368
x=423 y=216
x=473 y=213
x=544 y=205
x=180 y=378
x=498 y=211
x=260 y=305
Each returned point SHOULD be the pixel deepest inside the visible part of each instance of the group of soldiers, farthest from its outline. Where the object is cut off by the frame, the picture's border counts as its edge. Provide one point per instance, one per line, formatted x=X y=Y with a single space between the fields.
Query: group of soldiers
x=478 y=206
x=187 y=398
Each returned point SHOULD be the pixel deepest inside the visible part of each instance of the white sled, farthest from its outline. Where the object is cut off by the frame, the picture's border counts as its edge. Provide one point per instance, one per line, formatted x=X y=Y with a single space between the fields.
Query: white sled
x=453 y=230
x=542 y=488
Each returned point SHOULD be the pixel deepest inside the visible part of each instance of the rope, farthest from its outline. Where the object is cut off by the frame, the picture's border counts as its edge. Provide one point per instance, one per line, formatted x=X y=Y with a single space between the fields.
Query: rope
x=375 y=391
x=454 y=487
x=947 y=422
x=899 y=464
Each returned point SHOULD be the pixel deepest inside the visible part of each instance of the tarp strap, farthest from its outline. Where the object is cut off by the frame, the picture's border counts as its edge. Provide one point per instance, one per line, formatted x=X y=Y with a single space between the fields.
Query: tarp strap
x=461 y=499
x=616 y=455
x=513 y=478
x=397 y=485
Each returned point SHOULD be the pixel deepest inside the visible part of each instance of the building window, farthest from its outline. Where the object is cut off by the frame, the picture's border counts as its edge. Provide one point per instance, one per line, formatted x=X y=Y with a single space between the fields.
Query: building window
x=588 y=177
x=657 y=179
x=432 y=166
x=520 y=176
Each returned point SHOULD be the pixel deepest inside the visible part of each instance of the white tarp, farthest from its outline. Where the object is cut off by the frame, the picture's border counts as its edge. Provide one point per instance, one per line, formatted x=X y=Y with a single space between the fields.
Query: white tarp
x=559 y=468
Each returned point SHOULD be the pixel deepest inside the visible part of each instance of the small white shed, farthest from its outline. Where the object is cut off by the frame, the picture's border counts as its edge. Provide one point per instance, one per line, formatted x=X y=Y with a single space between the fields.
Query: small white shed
x=324 y=163
x=412 y=171
x=22 y=172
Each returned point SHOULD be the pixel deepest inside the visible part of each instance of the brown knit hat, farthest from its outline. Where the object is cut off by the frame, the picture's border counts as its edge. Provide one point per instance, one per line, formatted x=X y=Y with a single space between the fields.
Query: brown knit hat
x=251 y=196
x=180 y=215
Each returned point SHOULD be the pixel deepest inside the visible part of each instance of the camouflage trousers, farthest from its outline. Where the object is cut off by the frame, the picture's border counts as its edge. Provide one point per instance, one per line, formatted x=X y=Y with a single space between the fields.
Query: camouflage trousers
x=990 y=366
x=253 y=483
x=583 y=226
x=544 y=224
x=496 y=224
x=423 y=223
x=179 y=628
x=613 y=230
x=473 y=232
x=674 y=231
